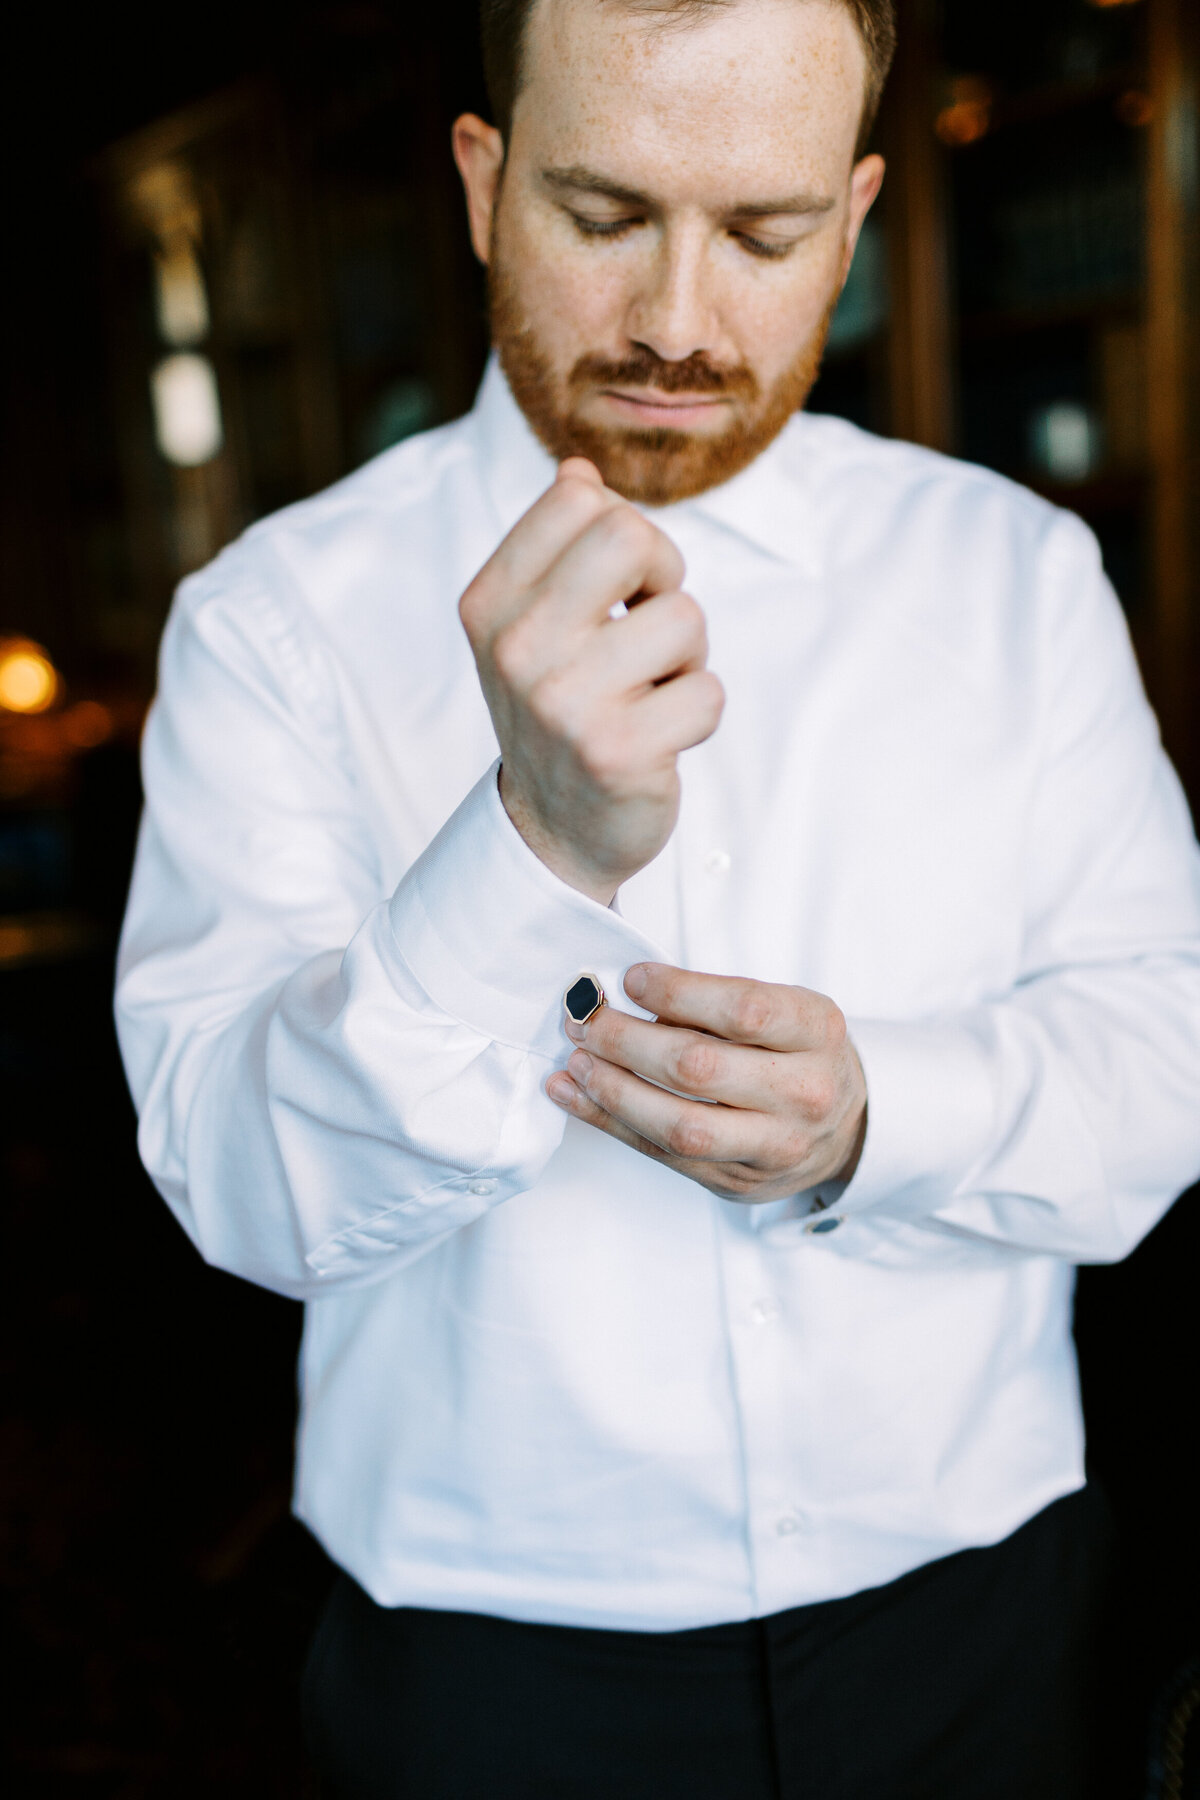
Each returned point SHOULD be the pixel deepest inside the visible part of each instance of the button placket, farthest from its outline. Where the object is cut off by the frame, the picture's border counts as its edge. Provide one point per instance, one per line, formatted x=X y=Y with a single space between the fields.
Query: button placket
x=764 y=1354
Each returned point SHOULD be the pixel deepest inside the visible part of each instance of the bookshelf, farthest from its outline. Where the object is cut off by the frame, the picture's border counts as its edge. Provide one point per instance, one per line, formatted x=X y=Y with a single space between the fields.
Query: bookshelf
x=289 y=289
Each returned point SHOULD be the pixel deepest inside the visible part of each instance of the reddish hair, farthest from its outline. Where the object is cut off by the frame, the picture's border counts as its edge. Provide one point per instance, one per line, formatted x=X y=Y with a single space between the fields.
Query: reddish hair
x=502 y=31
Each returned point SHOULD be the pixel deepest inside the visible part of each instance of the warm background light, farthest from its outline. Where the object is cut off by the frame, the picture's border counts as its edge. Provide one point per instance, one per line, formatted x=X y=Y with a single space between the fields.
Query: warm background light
x=968 y=117
x=28 y=679
x=187 y=409
x=87 y=724
x=1134 y=107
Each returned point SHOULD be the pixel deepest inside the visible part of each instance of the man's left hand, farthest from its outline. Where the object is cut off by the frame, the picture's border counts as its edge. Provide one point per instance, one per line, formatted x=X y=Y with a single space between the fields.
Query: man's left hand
x=752 y=1090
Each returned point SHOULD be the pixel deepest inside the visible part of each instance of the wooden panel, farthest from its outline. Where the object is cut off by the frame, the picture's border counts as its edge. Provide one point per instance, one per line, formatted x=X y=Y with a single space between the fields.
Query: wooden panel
x=920 y=352
x=1171 y=321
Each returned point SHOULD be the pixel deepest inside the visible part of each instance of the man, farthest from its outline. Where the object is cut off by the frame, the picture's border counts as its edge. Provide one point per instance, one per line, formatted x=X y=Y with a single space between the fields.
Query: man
x=687 y=1385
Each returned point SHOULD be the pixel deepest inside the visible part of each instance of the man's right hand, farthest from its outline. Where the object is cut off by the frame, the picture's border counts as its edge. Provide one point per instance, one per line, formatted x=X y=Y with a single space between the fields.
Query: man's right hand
x=591 y=711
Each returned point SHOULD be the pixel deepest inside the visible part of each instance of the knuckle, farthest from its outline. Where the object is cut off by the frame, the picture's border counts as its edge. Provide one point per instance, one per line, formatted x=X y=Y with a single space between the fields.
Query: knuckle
x=627 y=530
x=471 y=607
x=835 y=1028
x=685 y=617
x=820 y=1094
x=689 y=610
x=710 y=695
x=792 y=1151
x=752 y=1013
x=601 y=1087
x=695 y=1063
x=690 y=1139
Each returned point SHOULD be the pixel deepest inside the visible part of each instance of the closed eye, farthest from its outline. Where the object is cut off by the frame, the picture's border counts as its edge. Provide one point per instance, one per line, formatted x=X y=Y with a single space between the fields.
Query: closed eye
x=604 y=228
x=771 y=248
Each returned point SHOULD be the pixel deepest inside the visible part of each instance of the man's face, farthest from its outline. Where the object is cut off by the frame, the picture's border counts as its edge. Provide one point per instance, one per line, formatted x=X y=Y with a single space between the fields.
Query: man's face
x=671 y=228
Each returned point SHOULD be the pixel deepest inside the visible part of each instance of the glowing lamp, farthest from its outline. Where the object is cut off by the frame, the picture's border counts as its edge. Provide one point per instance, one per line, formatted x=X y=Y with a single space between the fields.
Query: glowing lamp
x=187 y=409
x=29 y=682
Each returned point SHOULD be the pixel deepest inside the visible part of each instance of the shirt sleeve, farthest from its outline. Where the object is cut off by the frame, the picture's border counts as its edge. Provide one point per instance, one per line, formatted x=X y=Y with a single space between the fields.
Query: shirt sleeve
x=1060 y=1116
x=330 y=1078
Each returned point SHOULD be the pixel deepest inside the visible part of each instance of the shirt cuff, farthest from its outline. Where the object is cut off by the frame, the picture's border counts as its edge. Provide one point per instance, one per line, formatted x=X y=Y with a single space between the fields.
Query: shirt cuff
x=495 y=939
x=931 y=1111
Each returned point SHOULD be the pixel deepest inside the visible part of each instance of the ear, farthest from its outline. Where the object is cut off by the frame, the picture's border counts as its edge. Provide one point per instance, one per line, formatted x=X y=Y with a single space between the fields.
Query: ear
x=865 y=183
x=479 y=153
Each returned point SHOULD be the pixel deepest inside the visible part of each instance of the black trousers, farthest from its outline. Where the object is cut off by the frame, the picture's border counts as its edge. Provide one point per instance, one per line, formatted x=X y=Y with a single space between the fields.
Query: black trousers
x=969 y=1679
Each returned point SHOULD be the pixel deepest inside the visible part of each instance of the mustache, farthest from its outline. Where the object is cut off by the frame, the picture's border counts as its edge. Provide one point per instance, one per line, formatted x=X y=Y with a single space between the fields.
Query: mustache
x=643 y=368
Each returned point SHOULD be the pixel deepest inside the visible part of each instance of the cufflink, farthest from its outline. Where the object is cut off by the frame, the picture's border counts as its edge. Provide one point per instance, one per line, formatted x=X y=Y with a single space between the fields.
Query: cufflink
x=583 y=998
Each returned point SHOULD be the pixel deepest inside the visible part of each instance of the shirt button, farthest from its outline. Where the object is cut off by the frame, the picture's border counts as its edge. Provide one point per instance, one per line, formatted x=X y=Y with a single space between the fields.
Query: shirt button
x=718 y=862
x=818 y=1226
x=763 y=1311
x=482 y=1188
x=788 y=1525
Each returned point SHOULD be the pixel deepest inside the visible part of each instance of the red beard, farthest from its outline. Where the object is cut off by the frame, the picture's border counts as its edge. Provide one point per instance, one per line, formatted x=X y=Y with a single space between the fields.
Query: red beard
x=658 y=464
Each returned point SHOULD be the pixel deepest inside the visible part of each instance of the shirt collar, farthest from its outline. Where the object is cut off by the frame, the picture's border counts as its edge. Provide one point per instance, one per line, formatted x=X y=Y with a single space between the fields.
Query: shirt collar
x=768 y=505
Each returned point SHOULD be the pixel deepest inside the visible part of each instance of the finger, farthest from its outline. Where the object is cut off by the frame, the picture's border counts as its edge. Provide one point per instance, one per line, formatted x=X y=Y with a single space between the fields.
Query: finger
x=579 y=468
x=501 y=588
x=730 y=1181
x=564 y=1092
x=743 y=1012
x=665 y=636
x=680 y=713
x=617 y=556
x=686 y=1129
x=693 y=1062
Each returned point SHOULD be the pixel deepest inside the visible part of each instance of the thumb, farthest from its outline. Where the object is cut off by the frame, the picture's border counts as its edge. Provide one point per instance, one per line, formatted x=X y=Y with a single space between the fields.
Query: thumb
x=579 y=468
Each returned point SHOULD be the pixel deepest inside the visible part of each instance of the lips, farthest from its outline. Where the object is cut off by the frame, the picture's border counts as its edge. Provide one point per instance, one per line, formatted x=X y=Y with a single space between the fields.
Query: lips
x=650 y=407
x=664 y=402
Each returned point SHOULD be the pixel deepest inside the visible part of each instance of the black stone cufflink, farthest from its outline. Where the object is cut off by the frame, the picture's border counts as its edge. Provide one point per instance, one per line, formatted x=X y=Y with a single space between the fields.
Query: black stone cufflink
x=583 y=998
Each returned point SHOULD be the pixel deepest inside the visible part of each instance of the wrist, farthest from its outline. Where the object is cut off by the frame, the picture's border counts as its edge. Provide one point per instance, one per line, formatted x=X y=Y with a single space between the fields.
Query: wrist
x=846 y=1172
x=600 y=886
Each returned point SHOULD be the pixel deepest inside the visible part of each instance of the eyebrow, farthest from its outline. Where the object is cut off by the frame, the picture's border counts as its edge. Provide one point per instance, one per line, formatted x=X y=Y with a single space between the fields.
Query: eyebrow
x=588 y=181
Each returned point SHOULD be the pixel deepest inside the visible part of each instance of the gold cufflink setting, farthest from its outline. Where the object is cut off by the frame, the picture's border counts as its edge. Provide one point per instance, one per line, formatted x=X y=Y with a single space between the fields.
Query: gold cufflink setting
x=584 y=997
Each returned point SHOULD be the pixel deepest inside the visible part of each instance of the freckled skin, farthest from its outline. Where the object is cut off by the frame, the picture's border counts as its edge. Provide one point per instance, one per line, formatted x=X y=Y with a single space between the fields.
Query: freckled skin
x=702 y=116
x=659 y=306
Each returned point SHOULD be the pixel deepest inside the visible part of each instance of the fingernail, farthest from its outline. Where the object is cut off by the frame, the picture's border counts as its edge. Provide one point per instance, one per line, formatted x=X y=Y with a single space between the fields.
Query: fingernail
x=561 y=1089
x=580 y=1067
x=575 y=1031
x=635 y=981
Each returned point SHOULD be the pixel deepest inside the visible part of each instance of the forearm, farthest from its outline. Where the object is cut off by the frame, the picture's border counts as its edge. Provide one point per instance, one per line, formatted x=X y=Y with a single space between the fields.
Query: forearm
x=339 y=1126
x=332 y=1126
x=1059 y=1120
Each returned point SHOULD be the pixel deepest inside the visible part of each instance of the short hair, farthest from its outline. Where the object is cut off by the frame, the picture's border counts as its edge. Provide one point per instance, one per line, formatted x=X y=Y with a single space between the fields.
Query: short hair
x=502 y=31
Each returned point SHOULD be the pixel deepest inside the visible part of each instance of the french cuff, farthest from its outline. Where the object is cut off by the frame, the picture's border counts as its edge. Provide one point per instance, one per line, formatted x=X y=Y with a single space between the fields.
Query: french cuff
x=931 y=1109
x=495 y=939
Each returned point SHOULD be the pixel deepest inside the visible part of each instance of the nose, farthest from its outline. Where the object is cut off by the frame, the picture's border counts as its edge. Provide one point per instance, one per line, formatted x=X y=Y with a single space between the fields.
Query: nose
x=672 y=312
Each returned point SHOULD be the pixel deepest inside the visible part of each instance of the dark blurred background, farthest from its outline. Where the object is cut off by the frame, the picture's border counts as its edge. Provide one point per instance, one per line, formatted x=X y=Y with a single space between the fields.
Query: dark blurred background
x=236 y=267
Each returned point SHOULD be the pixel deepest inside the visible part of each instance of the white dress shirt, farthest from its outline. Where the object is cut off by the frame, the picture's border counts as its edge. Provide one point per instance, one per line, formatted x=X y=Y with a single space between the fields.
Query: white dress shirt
x=542 y=1376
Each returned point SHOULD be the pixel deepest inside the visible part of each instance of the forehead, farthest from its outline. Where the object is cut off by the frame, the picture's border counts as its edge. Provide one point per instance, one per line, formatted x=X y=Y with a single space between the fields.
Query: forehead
x=727 y=94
